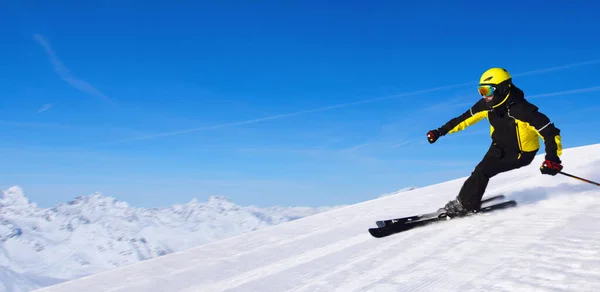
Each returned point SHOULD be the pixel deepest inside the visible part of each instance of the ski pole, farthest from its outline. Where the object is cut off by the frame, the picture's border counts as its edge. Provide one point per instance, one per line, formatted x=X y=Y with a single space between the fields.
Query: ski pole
x=579 y=178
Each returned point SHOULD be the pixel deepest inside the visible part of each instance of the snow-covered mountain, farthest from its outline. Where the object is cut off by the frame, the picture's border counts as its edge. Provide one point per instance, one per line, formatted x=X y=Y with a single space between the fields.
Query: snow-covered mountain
x=549 y=242
x=91 y=234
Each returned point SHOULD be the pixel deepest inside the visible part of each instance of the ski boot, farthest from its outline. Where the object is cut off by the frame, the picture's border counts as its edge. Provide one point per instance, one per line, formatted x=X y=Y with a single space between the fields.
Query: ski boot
x=454 y=209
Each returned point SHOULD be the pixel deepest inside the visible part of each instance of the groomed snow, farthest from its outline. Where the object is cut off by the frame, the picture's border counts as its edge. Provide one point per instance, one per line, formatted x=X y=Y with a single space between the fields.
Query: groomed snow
x=551 y=242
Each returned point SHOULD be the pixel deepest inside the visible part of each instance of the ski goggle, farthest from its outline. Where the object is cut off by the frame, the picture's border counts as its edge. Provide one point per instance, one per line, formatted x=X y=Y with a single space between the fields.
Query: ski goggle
x=486 y=90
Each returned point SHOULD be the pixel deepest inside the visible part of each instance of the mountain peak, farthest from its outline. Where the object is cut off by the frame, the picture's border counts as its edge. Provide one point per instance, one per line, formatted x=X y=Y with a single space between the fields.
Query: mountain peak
x=220 y=202
x=14 y=196
x=216 y=198
x=193 y=202
x=98 y=199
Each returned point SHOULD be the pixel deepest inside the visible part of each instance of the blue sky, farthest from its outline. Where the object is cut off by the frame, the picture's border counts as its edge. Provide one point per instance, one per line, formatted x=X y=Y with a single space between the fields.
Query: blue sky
x=276 y=103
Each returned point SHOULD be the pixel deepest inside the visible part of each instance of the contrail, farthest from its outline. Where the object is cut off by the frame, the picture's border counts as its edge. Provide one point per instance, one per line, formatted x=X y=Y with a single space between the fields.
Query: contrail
x=326 y=108
x=558 y=68
x=65 y=73
x=579 y=90
x=253 y=121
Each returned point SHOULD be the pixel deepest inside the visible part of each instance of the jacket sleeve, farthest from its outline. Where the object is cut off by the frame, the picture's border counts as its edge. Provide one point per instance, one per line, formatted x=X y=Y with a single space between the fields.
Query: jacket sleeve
x=470 y=117
x=546 y=130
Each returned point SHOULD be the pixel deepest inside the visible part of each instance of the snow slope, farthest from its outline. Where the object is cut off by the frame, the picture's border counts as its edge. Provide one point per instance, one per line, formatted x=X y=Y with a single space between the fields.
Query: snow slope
x=551 y=242
x=91 y=234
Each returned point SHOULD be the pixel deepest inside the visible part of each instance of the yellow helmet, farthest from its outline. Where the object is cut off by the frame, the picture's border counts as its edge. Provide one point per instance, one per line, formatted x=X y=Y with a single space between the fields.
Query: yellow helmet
x=494 y=86
x=494 y=76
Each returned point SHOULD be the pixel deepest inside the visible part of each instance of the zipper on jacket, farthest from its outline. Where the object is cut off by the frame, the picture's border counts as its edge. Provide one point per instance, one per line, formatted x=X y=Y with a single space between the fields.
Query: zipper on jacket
x=518 y=138
x=517 y=133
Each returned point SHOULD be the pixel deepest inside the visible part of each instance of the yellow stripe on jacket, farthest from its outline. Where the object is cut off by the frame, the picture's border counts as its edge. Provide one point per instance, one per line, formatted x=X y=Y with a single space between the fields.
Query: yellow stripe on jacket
x=469 y=121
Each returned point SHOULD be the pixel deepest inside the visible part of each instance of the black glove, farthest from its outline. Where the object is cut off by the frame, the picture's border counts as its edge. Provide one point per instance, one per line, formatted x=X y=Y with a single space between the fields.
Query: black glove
x=551 y=166
x=432 y=136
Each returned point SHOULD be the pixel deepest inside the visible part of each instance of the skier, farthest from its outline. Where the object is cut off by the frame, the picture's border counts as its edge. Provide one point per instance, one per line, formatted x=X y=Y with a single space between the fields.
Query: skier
x=515 y=125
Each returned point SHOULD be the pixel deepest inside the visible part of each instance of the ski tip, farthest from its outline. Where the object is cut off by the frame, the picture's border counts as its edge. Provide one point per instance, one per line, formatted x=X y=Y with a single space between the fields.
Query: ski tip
x=374 y=232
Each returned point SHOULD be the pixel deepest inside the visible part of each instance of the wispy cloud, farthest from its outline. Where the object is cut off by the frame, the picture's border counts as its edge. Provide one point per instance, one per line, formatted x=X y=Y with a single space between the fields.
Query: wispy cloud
x=66 y=75
x=70 y=127
x=33 y=124
x=403 y=143
x=557 y=68
x=342 y=105
x=380 y=157
x=355 y=147
x=280 y=116
x=572 y=91
x=45 y=107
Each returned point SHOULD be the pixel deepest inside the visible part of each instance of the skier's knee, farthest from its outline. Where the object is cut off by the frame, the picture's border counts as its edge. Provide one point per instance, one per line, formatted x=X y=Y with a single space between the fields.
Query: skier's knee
x=480 y=173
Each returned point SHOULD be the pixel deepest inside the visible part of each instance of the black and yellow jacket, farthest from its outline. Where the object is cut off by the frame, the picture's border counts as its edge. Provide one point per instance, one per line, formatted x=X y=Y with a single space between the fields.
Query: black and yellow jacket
x=515 y=125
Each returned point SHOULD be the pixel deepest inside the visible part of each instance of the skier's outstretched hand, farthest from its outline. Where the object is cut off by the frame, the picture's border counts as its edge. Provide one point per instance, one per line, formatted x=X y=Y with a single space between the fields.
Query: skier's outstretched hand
x=432 y=136
x=551 y=166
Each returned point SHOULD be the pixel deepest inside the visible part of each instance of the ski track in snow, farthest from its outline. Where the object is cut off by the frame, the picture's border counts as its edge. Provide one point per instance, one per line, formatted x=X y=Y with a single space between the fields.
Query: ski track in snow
x=550 y=242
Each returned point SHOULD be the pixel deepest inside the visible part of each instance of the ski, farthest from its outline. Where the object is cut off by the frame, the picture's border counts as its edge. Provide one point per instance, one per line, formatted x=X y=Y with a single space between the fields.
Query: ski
x=491 y=199
x=382 y=223
x=424 y=220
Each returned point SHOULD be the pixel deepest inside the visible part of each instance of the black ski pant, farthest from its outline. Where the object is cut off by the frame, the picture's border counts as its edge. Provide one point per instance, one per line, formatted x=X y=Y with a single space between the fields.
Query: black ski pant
x=495 y=161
